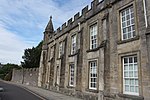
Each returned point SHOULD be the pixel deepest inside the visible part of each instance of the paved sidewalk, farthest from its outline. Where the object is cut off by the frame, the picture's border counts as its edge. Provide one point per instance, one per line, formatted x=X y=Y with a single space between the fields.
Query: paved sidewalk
x=49 y=95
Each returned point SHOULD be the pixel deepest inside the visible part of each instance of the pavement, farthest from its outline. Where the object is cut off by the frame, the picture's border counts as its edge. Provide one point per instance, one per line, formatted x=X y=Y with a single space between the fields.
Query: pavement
x=45 y=94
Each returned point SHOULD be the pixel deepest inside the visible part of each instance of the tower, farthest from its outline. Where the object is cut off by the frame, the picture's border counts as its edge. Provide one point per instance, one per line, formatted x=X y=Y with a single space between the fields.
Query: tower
x=49 y=30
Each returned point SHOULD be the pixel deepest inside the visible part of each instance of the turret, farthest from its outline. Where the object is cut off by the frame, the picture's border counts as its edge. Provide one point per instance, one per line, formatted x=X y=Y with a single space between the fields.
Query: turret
x=49 y=30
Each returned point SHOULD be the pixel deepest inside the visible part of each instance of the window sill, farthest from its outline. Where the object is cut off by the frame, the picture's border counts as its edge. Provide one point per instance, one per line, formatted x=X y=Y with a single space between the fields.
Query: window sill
x=128 y=40
x=133 y=97
x=92 y=90
x=92 y=50
x=73 y=54
x=103 y=44
x=148 y=30
x=50 y=59
x=60 y=57
x=70 y=87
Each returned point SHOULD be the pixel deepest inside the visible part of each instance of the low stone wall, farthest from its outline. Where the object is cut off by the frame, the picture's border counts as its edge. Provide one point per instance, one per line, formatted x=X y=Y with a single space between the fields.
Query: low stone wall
x=27 y=76
x=17 y=76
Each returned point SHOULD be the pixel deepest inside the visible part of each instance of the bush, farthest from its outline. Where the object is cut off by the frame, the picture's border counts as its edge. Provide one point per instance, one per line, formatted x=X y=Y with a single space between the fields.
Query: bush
x=8 y=76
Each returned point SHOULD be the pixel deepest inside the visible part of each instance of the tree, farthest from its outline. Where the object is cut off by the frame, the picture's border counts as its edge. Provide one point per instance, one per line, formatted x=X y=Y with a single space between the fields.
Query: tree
x=7 y=70
x=31 y=56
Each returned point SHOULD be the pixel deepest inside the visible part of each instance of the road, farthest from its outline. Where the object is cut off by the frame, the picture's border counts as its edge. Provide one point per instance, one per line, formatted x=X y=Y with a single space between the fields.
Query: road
x=13 y=92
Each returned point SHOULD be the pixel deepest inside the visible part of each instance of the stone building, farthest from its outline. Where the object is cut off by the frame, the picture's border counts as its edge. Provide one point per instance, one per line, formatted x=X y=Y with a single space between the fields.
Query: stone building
x=102 y=53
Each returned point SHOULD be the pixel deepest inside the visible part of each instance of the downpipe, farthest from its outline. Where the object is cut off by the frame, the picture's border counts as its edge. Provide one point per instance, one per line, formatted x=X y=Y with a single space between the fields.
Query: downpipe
x=145 y=13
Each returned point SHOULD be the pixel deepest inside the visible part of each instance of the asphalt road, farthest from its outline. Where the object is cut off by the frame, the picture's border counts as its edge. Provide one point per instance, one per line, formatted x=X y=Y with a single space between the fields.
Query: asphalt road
x=12 y=92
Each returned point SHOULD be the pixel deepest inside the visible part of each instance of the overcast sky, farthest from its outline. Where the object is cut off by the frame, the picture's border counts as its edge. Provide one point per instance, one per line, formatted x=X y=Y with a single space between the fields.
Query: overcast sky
x=22 y=23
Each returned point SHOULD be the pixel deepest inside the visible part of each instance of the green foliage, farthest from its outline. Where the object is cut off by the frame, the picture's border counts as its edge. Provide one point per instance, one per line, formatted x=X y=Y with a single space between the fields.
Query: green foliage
x=32 y=57
x=8 y=76
x=7 y=69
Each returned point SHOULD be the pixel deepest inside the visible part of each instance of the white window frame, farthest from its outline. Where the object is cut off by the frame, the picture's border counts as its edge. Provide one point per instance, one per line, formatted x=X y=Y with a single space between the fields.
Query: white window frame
x=128 y=70
x=60 y=49
x=127 y=23
x=93 y=36
x=93 y=70
x=73 y=44
x=72 y=74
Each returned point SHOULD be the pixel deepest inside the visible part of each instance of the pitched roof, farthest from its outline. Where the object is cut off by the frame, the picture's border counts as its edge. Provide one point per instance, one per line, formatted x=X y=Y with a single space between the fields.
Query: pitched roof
x=49 y=27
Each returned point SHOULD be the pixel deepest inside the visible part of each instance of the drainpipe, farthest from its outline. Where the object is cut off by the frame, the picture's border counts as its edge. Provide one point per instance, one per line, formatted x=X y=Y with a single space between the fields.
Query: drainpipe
x=145 y=13
x=79 y=24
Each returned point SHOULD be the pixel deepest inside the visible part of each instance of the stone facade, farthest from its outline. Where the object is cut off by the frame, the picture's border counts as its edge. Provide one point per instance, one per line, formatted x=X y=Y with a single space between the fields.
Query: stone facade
x=69 y=73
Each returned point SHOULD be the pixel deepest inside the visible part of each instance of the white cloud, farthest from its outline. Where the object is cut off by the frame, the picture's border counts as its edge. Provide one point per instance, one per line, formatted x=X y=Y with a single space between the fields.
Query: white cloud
x=11 y=47
x=22 y=23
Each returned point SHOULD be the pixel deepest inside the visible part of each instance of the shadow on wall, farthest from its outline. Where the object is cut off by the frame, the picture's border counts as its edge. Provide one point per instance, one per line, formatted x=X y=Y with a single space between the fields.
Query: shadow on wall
x=27 y=76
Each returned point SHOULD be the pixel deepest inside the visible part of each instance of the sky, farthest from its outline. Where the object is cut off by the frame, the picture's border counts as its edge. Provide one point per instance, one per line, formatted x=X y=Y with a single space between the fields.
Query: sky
x=22 y=23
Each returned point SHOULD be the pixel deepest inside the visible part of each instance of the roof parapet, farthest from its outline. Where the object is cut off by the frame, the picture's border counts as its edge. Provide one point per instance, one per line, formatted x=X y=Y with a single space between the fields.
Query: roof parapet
x=69 y=22
x=58 y=29
x=64 y=26
x=76 y=16
x=85 y=10
x=94 y=4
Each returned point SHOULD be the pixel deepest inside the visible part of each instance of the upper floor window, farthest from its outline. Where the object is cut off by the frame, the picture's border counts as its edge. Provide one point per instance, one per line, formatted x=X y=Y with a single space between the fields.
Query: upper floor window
x=73 y=45
x=127 y=23
x=93 y=75
x=60 y=49
x=130 y=75
x=93 y=36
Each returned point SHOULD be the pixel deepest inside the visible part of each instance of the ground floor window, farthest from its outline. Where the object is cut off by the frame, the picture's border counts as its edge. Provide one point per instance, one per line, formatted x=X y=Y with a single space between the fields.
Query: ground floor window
x=130 y=75
x=93 y=75
x=72 y=75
